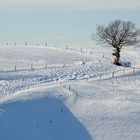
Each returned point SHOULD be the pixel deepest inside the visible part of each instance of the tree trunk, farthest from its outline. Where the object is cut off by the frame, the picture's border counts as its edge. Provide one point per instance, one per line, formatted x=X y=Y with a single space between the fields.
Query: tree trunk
x=117 y=56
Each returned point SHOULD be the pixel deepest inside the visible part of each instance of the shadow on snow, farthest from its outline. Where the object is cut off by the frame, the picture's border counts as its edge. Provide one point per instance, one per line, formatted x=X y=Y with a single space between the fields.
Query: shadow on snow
x=42 y=119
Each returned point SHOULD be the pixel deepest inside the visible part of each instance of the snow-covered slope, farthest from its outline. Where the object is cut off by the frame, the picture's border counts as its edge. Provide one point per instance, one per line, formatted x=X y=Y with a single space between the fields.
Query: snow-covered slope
x=54 y=93
x=44 y=119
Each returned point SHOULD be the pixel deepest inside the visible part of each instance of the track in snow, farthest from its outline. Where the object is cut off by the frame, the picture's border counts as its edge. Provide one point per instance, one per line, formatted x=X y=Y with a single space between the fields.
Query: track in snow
x=37 y=77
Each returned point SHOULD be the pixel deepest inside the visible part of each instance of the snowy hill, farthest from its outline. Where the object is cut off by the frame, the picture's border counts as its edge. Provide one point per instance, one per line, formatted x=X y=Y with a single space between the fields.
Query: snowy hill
x=68 y=94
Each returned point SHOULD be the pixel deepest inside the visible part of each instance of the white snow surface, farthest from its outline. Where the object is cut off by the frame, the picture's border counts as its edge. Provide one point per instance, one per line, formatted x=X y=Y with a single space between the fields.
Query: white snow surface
x=51 y=93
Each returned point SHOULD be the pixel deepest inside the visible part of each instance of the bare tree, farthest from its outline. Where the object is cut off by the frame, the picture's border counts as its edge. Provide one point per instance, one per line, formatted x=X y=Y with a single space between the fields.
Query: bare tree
x=117 y=34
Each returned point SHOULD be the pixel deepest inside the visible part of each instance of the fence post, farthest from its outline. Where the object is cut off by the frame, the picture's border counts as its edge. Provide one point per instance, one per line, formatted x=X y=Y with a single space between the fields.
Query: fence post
x=103 y=56
x=15 y=67
x=15 y=43
x=81 y=50
x=100 y=77
x=45 y=65
x=133 y=69
x=60 y=83
x=69 y=87
x=67 y=47
x=46 y=44
x=26 y=44
x=126 y=97
x=91 y=52
x=31 y=66
x=112 y=74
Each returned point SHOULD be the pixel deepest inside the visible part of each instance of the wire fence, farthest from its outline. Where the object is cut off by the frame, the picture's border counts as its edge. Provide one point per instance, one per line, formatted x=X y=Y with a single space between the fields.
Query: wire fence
x=67 y=85
x=113 y=74
x=32 y=67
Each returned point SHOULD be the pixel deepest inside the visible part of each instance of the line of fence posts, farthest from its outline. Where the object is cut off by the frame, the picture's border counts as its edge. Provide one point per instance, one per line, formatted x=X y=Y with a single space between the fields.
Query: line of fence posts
x=112 y=74
x=31 y=67
x=81 y=50
x=26 y=44
x=76 y=93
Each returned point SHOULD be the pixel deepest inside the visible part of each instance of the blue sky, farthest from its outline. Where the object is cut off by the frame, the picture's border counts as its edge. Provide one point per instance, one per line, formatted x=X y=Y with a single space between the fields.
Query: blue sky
x=61 y=22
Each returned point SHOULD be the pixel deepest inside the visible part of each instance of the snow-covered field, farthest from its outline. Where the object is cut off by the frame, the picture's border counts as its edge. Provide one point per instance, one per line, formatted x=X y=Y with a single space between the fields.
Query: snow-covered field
x=51 y=93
